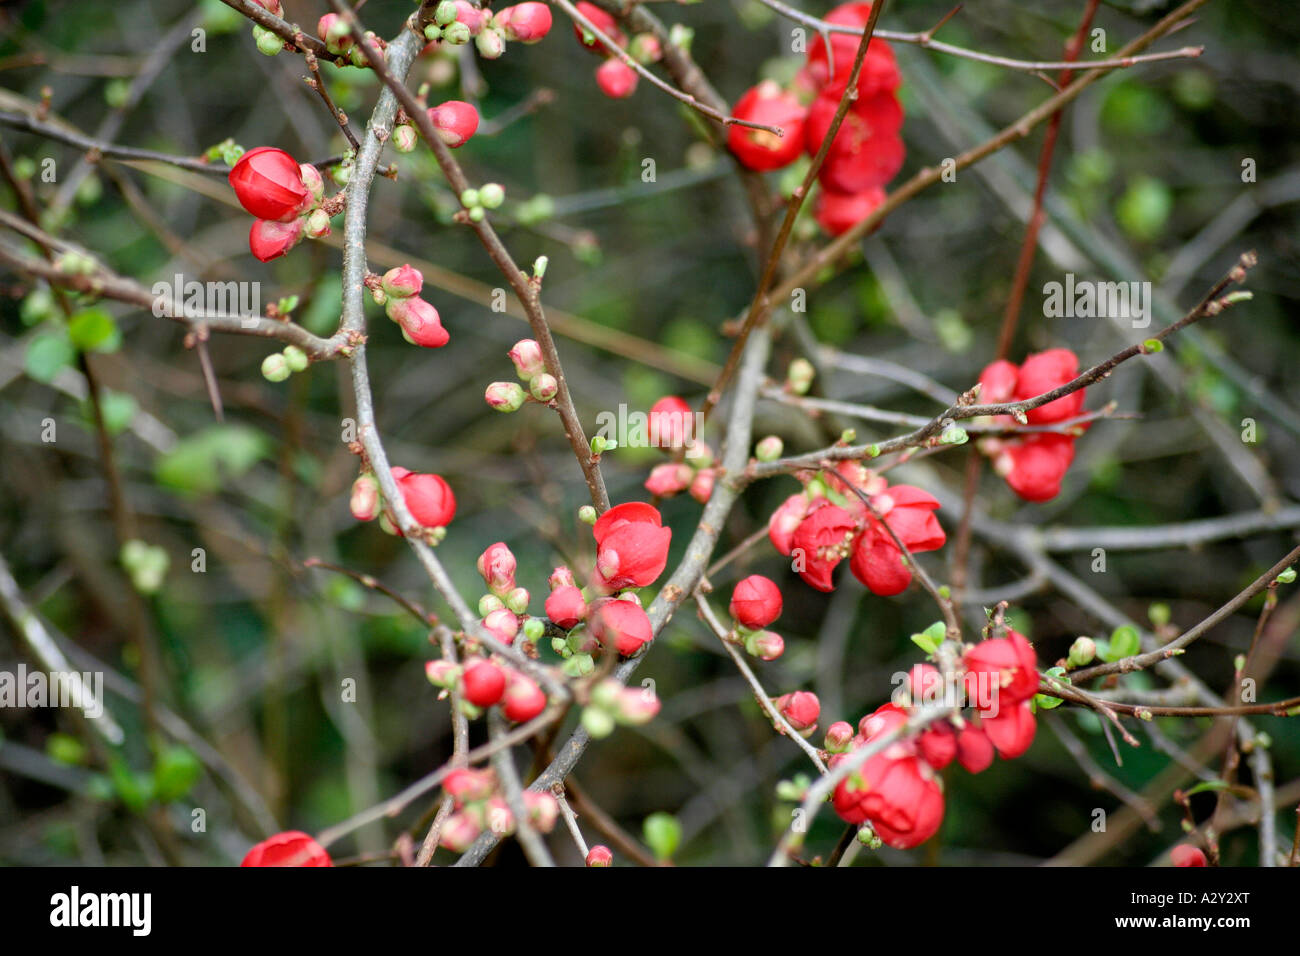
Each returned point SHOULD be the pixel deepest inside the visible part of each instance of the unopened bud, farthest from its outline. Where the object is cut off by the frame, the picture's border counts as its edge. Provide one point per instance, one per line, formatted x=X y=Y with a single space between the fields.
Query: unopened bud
x=275 y=368
x=364 y=501
x=527 y=358
x=544 y=387
x=587 y=514
x=491 y=195
x=312 y=179
x=505 y=396
x=405 y=138
x=838 y=737
x=489 y=603
x=490 y=44
x=517 y=600
x=1082 y=651
x=318 y=224
x=296 y=358
x=799 y=376
x=769 y=449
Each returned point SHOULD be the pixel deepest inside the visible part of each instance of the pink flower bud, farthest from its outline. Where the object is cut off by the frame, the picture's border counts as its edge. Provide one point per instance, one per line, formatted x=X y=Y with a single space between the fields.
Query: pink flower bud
x=565 y=607
x=838 y=737
x=503 y=623
x=756 y=601
x=543 y=810
x=483 y=683
x=765 y=645
x=442 y=673
x=702 y=485
x=637 y=705
x=669 y=479
x=269 y=240
x=317 y=224
x=524 y=22
x=517 y=600
x=505 y=396
x=616 y=79
x=402 y=282
x=600 y=855
x=671 y=422
x=335 y=33
x=800 y=708
x=271 y=6
x=544 y=387
x=527 y=358
x=455 y=121
x=473 y=17
x=420 y=322
x=312 y=179
x=490 y=44
x=365 y=498
x=561 y=577
x=497 y=565
x=645 y=48
x=405 y=138
x=459 y=831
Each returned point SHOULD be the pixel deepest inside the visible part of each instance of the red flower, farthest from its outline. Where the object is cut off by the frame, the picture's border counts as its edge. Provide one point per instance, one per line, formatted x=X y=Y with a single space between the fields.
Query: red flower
x=483 y=683
x=1042 y=373
x=268 y=184
x=759 y=149
x=909 y=512
x=427 y=497
x=523 y=699
x=291 y=848
x=998 y=382
x=801 y=709
x=867 y=150
x=1035 y=466
x=631 y=546
x=756 y=602
x=822 y=540
x=1011 y=731
x=1185 y=855
x=1001 y=672
x=525 y=22
x=455 y=120
x=269 y=240
x=838 y=212
x=974 y=749
x=885 y=718
x=898 y=792
x=671 y=422
x=620 y=624
x=565 y=607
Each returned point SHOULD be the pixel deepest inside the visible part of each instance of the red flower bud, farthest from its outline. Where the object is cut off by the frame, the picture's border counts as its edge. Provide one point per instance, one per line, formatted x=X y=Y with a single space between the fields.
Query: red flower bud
x=838 y=736
x=937 y=744
x=291 y=848
x=616 y=79
x=602 y=21
x=561 y=577
x=759 y=149
x=1044 y=372
x=403 y=281
x=441 y=673
x=483 y=683
x=637 y=705
x=756 y=601
x=467 y=785
x=974 y=749
x=455 y=121
x=523 y=700
x=600 y=855
x=269 y=240
x=268 y=184
x=420 y=322
x=702 y=485
x=620 y=624
x=631 y=546
x=503 y=624
x=565 y=607
x=525 y=22
x=1034 y=466
x=459 y=831
x=801 y=709
x=427 y=497
x=671 y=422
x=1185 y=855
x=473 y=17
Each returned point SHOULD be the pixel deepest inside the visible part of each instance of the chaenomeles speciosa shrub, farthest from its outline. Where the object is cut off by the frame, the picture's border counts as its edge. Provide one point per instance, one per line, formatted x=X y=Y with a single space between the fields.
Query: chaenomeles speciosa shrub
x=620 y=570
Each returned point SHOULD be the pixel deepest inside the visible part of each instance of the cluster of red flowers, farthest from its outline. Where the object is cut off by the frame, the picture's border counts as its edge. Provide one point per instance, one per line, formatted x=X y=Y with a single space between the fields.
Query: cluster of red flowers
x=819 y=527
x=284 y=196
x=671 y=425
x=1034 y=465
x=615 y=78
x=480 y=806
x=867 y=150
x=898 y=790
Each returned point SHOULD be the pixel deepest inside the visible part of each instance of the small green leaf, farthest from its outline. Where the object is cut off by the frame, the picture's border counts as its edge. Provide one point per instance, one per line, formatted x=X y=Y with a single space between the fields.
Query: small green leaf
x=175 y=772
x=1124 y=642
x=48 y=354
x=93 y=330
